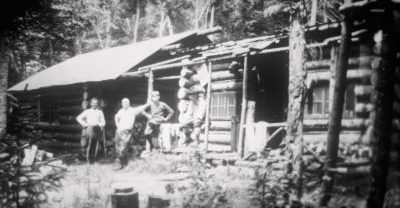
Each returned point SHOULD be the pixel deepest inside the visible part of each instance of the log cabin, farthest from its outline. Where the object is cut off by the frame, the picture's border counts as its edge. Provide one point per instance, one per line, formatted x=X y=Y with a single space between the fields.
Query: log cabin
x=248 y=95
x=245 y=82
x=51 y=99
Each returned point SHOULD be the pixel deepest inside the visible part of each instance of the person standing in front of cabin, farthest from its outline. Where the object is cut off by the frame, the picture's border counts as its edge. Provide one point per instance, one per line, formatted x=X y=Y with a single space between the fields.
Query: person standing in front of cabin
x=155 y=112
x=93 y=122
x=124 y=121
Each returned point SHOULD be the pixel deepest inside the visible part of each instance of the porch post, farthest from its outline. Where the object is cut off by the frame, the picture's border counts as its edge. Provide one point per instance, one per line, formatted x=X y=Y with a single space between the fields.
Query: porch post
x=244 y=106
x=150 y=88
x=207 y=131
x=150 y=84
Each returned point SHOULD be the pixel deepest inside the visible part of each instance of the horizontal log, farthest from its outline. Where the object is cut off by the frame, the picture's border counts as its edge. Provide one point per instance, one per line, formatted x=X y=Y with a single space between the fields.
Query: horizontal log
x=210 y=31
x=322 y=124
x=361 y=61
x=363 y=90
x=363 y=107
x=58 y=128
x=173 y=77
x=183 y=93
x=352 y=74
x=189 y=82
x=216 y=137
x=220 y=66
x=70 y=101
x=145 y=68
x=220 y=125
x=186 y=72
x=223 y=75
x=70 y=110
x=226 y=85
x=66 y=119
x=62 y=136
x=361 y=170
x=61 y=145
x=320 y=64
x=26 y=106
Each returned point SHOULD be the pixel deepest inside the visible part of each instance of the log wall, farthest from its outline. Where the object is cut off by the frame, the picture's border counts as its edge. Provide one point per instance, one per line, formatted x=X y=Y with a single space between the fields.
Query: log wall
x=223 y=80
x=359 y=74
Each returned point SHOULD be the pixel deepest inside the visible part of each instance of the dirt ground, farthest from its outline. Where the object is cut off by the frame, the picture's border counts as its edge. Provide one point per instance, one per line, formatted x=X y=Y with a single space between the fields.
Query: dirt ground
x=179 y=178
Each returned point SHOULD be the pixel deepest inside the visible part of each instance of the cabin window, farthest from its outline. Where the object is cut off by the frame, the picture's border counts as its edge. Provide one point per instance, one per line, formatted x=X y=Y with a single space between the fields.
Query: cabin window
x=47 y=108
x=318 y=101
x=223 y=105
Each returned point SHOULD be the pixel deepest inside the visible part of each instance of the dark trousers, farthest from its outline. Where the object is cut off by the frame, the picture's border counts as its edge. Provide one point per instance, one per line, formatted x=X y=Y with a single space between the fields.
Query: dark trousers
x=89 y=142
x=122 y=141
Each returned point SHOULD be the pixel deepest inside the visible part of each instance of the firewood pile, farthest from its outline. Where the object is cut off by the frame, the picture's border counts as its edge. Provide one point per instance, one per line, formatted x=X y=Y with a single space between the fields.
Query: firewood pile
x=26 y=173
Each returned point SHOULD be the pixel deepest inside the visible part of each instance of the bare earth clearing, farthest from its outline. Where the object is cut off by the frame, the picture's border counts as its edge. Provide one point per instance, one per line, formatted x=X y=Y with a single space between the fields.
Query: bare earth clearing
x=180 y=178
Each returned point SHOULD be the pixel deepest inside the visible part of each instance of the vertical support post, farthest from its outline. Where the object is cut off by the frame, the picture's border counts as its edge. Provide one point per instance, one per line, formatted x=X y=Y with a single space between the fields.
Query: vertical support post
x=150 y=88
x=244 y=106
x=234 y=132
x=150 y=84
x=208 y=107
x=332 y=74
x=85 y=97
x=39 y=112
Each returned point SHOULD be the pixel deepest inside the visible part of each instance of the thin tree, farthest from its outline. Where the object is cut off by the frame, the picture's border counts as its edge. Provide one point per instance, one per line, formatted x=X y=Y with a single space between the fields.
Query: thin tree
x=335 y=117
x=137 y=18
x=386 y=46
x=3 y=85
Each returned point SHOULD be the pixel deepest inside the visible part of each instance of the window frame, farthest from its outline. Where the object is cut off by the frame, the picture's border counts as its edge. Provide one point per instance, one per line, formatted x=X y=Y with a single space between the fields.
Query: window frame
x=225 y=106
x=310 y=99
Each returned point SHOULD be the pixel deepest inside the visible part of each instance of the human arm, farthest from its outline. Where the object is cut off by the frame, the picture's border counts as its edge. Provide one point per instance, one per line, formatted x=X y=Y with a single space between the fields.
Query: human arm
x=169 y=111
x=117 y=119
x=102 y=121
x=144 y=110
x=81 y=118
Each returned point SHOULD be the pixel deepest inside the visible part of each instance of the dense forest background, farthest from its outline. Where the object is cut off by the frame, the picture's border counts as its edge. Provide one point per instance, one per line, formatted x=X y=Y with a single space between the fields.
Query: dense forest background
x=60 y=29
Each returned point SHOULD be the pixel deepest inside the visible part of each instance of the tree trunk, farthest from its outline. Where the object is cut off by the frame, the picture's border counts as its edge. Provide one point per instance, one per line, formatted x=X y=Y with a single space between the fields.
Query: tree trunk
x=212 y=16
x=135 y=30
x=314 y=9
x=3 y=86
x=383 y=72
x=50 y=53
x=297 y=89
x=335 y=117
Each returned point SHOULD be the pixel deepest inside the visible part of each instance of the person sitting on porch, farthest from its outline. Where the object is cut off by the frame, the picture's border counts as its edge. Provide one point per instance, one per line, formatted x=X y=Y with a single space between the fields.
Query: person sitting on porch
x=124 y=121
x=155 y=111
x=93 y=122
x=193 y=118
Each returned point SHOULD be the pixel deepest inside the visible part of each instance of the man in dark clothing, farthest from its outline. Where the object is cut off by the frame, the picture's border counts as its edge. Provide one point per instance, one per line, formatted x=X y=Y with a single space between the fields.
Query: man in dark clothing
x=155 y=112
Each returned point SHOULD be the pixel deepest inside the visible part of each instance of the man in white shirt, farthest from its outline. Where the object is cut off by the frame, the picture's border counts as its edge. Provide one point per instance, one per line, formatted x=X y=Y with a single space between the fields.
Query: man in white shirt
x=93 y=122
x=124 y=121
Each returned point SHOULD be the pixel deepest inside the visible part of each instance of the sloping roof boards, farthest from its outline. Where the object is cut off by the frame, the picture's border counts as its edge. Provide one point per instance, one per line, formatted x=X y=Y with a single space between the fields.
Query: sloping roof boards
x=99 y=65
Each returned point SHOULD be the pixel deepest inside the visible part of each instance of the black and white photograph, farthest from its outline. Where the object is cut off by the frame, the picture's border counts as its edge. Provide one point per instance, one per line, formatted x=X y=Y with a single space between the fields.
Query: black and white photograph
x=200 y=104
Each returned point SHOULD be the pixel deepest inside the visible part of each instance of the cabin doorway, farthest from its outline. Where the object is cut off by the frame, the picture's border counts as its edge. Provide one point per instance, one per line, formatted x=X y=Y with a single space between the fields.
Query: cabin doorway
x=269 y=79
x=166 y=82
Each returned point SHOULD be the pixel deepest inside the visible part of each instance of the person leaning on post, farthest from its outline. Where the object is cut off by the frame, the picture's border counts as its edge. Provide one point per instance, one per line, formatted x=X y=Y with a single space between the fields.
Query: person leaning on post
x=93 y=122
x=124 y=121
x=154 y=111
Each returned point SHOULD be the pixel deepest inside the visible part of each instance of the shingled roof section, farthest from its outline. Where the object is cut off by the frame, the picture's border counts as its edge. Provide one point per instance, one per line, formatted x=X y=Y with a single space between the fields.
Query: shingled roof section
x=106 y=64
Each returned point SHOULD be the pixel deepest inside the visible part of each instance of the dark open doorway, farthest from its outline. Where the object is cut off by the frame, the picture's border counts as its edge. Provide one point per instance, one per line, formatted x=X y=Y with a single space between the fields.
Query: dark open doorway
x=269 y=78
x=166 y=82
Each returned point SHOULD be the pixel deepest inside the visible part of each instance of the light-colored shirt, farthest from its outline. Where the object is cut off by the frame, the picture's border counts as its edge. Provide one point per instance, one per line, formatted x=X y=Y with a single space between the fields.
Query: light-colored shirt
x=125 y=118
x=91 y=117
